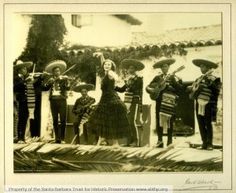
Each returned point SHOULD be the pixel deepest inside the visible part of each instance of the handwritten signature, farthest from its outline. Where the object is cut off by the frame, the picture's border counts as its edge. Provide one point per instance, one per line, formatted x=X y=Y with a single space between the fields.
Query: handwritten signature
x=200 y=184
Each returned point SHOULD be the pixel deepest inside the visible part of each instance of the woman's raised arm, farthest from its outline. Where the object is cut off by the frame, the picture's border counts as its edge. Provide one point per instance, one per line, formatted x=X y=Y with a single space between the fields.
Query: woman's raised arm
x=99 y=55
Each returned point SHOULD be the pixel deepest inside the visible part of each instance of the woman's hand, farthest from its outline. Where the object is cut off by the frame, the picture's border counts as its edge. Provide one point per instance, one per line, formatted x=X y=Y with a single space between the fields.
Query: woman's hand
x=113 y=75
x=97 y=54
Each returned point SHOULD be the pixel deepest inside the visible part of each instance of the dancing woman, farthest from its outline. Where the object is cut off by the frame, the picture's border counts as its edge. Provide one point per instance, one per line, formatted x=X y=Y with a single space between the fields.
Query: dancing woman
x=109 y=120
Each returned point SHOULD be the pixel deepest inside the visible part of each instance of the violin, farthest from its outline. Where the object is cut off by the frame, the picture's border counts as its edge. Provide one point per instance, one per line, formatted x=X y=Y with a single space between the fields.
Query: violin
x=37 y=74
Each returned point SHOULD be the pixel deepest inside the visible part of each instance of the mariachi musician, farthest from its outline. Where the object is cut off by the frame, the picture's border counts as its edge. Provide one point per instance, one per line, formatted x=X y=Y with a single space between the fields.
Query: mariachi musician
x=164 y=89
x=29 y=86
x=58 y=86
x=21 y=80
x=133 y=89
x=82 y=109
x=35 y=124
x=205 y=91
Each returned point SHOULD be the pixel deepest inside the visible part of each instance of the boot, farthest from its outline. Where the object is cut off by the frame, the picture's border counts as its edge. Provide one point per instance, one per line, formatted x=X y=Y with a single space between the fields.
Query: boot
x=160 y=135
x=169 y=137
x=160 y=144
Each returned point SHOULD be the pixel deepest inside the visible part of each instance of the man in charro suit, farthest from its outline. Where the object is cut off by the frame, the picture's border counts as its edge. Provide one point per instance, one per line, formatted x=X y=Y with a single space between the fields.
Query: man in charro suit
x=58 y=86
x=133 y=89
x=82 y=108
x=206 y=93
x=21 y=92
x=167 y=99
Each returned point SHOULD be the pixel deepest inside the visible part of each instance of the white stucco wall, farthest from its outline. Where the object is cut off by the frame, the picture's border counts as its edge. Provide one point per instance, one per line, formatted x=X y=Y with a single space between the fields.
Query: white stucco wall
x=17 y=35
x=105 y=30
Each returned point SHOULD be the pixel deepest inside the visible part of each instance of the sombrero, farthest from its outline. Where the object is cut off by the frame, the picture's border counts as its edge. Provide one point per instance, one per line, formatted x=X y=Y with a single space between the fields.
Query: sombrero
x=80 y=87
x=20 y=64
x=162 y=61
x=56 y=63
x=208 y=63
x=126 y=63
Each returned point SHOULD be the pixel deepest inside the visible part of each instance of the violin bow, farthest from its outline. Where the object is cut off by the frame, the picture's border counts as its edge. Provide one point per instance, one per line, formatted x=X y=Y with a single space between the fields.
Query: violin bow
x=68 y=69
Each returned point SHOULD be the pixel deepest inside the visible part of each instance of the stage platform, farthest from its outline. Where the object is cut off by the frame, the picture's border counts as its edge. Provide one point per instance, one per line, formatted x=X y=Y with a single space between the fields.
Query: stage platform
x=45 y=157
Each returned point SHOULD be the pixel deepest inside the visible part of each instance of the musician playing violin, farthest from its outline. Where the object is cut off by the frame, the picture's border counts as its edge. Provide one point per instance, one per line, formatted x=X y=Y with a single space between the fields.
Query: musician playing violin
x=21 y=91
x=58 y=86
x=164 y=89
x=205 y=90
x=133 y=89
x=28 y=88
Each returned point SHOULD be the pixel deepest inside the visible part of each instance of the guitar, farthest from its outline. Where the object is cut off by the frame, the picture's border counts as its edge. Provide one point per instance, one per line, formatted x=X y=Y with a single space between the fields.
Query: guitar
x=195 y=86
x=155 y=89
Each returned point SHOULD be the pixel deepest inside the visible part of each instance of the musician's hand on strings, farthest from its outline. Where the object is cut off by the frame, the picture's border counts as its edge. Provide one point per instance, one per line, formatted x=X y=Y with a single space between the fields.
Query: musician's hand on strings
x=189 y=88
x=30 y=78
x=44 y=74
x=21 y=76
x=50 y=81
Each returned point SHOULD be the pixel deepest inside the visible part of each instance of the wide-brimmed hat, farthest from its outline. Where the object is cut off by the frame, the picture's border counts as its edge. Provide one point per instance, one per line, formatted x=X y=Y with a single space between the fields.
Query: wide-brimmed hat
x=20 y=64
x=56 y=63
x=208 y=63
x=126 y=63
x=163 y=61
x=80 y=87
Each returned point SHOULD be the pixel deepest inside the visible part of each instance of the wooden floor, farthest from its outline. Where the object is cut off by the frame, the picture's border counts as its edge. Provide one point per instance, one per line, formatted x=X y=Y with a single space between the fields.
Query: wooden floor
x=45 y=157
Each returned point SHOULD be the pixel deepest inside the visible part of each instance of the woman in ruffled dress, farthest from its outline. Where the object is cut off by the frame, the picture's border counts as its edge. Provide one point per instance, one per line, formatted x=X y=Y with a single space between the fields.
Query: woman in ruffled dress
x=109 y=119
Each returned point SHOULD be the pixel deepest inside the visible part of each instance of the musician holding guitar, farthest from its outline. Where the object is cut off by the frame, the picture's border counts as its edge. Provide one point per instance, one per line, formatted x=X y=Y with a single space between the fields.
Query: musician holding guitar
x=164 y=89
x=82 y=109
x=205 y=90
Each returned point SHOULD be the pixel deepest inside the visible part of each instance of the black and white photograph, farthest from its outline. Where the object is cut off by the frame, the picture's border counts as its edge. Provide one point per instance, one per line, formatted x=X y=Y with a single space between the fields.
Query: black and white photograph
x=118 y=93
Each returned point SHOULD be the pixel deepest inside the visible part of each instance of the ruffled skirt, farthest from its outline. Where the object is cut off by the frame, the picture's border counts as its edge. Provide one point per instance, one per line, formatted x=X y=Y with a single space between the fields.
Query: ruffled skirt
x=109 y=119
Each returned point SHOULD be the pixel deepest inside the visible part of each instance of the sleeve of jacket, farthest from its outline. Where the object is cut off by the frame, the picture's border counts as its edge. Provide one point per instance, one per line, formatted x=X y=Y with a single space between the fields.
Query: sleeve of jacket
x=75 y=107
x=150 y=85
x=65 y=85
x=45 y=86
x=177 y=84
x=215 y=87
x=121 y=89
x=38 y=84
x=19 y=84
x=91 y=101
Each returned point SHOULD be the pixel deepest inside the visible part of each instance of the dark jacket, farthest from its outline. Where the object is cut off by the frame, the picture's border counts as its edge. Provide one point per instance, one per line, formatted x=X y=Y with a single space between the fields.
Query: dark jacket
x=20 y=89
x=212 y=83
x=64 y=87
x=82 y=104
x=135 y=86
x=174 y=85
